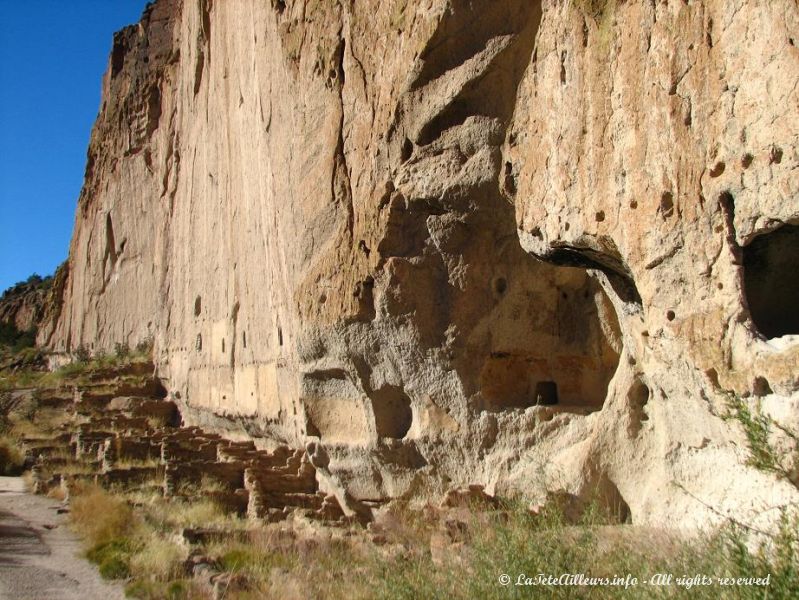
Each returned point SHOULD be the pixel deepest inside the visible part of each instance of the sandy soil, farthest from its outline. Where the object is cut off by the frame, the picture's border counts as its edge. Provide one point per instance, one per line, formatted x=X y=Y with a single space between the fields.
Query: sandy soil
x=39 y=556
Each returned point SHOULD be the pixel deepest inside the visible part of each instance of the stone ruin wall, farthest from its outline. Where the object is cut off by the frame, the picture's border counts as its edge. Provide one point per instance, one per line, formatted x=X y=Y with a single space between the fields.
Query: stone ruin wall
x=395 y=227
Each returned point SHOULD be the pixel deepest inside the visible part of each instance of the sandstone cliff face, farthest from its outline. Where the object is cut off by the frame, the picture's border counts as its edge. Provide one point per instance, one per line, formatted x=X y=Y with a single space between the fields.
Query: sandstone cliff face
x=310 y=206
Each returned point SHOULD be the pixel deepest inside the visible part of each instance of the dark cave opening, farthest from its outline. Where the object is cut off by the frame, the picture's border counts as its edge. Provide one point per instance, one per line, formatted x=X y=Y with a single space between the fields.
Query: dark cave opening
x=392 y=412
x=771 y=285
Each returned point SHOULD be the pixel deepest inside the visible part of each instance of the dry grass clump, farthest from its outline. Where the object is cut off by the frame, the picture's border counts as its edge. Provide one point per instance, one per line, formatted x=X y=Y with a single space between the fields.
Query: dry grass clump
x=121 y=541
x=101 y=516
x=173 y=514
x=159 y=558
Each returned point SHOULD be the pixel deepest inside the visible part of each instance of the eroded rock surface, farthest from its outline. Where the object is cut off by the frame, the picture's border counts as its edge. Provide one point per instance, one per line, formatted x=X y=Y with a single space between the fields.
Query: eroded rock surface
x=310 y=207
x=25 y=305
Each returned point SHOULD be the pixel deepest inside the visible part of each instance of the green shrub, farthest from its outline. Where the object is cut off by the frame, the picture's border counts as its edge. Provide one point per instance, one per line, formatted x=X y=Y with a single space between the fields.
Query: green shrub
x=72 y=369
x=113 y=557
x=82 y=354
x=12 y=461
x=153 y=590
x=236 y=559
x=14 y=339
x=145 y=346
x=114 y=567
x=121 y=350
x=177 y=590
x=30 y=357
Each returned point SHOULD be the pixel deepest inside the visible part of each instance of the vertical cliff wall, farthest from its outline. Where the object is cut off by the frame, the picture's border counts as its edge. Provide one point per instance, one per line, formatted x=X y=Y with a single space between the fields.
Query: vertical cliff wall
x=310 y=207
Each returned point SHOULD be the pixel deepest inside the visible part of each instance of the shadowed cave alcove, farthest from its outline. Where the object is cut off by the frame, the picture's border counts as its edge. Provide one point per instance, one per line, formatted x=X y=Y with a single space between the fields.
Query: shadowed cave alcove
x=771 y=285
x=337 y=412
x=553 y=345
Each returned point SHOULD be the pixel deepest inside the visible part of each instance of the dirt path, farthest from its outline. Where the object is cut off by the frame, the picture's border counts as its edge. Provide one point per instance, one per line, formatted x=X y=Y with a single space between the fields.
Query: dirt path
x=39 y=556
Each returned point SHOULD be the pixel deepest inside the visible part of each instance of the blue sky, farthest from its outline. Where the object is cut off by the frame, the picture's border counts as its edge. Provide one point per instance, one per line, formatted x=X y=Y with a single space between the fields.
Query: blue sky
x=52 y=57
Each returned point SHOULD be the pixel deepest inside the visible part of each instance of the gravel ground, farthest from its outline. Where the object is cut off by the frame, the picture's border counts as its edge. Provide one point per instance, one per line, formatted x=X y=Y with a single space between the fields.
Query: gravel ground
x=39 y=557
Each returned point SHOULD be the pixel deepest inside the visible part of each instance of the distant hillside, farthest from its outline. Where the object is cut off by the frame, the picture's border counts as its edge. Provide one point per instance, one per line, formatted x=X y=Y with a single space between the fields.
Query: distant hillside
x=22 y=308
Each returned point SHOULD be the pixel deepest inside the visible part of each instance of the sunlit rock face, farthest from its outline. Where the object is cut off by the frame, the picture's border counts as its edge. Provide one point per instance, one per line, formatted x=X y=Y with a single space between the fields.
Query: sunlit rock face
x=529 y=245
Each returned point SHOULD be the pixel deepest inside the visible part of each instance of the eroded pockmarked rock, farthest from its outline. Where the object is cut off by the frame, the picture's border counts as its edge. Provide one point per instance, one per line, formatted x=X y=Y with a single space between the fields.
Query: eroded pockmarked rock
x=531 y=245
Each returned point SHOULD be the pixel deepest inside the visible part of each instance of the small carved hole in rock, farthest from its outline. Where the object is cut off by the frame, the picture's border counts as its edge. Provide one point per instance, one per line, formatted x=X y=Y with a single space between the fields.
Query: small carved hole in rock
x=223 y=345
x=244 y=339
x=198 y=344
x=198 y=306
x=311 y=430
x=567 y=226
x=279 y=336
x=322 y=299
x=720 y=285
x=673 y=88
x=600 y=216
x=761 y=387
x=717 y=169
x=536 y=232
x=791 y=42
x=670 y=315
x=775 y=156
x=510 y=179
x=713 y=376
x=633 y=204
x=746 y=160
x=638 y=397
x=407 y=150
x=500 y=285
x=546 y=393
x=667 y=204
x=770 y=264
